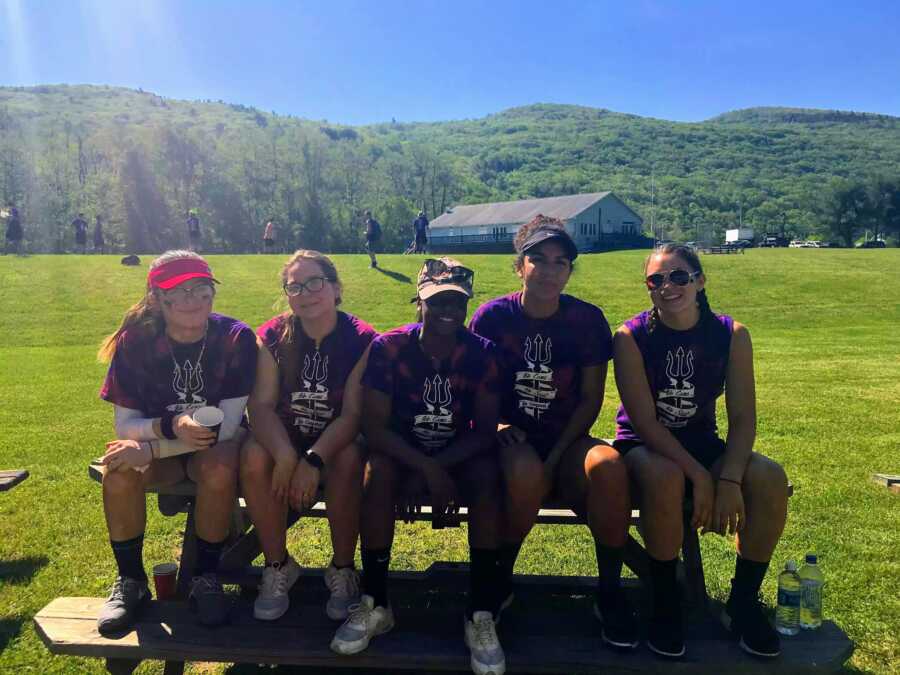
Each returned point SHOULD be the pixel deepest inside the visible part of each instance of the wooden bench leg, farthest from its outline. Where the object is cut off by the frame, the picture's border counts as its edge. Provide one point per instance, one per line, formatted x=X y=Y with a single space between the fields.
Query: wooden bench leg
x=695 y=582
x=188 y=556
x=174 y=668
x=122 y=666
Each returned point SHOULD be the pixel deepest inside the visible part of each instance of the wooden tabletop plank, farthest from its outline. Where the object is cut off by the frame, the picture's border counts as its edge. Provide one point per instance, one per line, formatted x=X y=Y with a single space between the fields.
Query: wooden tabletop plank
x=537 y=638
x=9 y=479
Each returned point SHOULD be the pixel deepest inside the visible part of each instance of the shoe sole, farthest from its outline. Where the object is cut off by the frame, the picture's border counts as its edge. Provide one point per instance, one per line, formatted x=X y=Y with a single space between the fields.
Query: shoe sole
x=337 y=615
x=271 y=614
x=348 y=649
x=612 y=643
x=753 y=652
x=668 y=655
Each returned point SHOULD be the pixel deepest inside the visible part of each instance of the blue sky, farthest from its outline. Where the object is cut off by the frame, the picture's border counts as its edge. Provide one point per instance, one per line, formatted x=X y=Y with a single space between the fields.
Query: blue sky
x=370 y=61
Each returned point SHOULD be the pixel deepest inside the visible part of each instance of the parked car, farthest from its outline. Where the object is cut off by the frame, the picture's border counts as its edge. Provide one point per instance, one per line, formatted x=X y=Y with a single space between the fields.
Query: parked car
x=872 y=243
x=797 y=243
x=773 y=241
x=742 y=243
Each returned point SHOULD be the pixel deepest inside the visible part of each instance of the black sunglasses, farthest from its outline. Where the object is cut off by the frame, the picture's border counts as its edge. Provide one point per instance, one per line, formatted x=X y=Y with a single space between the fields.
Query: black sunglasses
x=677 y=277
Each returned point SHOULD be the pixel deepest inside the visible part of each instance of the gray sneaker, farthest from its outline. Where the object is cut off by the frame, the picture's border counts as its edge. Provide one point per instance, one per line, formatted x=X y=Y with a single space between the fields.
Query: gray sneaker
x=344 y=586
x=487 y=657
x=273 y=600
x=208 y=600
x=120 y=610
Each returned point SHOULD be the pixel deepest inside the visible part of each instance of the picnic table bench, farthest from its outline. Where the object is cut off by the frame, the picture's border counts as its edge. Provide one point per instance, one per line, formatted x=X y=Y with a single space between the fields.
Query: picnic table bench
x=549 y=629
x=9 y=479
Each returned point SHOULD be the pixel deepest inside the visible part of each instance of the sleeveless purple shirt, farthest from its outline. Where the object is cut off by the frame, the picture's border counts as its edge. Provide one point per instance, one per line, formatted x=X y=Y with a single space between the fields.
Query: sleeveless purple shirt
x=685 y=370
x=312 y=380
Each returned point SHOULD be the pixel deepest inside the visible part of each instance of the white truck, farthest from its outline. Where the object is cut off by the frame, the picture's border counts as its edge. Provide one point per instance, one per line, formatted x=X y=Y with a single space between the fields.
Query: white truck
x=737 y=234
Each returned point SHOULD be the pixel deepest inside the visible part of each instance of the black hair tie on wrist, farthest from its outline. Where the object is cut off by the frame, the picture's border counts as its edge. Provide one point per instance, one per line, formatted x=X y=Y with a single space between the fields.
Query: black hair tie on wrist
x=314 y=459
x=165 y=425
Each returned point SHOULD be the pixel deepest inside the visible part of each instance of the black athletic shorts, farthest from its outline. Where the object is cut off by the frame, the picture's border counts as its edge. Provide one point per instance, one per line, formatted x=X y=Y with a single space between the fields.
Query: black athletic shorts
x=704 y=446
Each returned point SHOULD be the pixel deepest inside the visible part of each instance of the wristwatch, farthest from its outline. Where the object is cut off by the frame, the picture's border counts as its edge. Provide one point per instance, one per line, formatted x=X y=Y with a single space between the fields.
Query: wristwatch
x=313 y=458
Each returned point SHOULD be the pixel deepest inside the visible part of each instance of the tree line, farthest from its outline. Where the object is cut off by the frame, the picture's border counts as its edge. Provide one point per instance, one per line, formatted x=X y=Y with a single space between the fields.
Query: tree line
x=142 y=162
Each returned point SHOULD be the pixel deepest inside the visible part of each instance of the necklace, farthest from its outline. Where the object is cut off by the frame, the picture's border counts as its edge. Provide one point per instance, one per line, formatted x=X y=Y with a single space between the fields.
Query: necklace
x=187 y=380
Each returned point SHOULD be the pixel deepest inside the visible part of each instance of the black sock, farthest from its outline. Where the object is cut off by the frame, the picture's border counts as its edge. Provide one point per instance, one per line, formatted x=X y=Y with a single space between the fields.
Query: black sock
x=666 y=595
x=508 y=554
x=748 y=577
x=482 y=580
x=375 y=564
x=129 y=556
x=609 y=567
x=208 y=554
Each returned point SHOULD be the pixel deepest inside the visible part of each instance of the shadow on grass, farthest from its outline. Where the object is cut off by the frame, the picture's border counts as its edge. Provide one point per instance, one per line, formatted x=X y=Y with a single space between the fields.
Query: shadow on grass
x=396 y=276
x=9 y=630
x=21 y=571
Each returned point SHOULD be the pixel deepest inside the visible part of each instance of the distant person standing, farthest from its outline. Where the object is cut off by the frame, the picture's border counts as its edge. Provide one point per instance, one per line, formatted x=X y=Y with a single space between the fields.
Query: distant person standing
x=14 y=230
x=269 y=238
x=80 y=226
x=373 y=236
x=99 y=241
x=193 y=228
x=420 y=229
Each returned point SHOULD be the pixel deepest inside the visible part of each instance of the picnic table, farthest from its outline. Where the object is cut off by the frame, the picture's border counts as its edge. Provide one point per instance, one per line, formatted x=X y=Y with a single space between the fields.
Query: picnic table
x=548 y=629
x=723 y=249
x=9 y=479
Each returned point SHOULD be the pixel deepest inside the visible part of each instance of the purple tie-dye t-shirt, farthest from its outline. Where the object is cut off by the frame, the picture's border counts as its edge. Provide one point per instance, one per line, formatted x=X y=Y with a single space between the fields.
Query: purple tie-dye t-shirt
x=431 y=406
x=685 y=370
x=542 y=359
x=144 y=375
x=311 y=380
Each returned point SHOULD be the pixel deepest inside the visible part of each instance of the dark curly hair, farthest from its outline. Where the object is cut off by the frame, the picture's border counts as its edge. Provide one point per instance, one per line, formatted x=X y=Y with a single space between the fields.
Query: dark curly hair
x=689 y=255
x=525 y=231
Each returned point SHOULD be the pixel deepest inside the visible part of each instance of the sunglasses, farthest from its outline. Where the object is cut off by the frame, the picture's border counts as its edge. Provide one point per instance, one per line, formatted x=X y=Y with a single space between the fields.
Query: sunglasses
x=313 y=285
x=677 y=277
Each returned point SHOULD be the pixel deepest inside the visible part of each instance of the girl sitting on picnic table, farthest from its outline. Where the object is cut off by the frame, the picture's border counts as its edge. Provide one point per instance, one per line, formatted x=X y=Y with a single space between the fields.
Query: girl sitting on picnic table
x=170 y=356
x=304 y=414
x=431 y=400
x=672 y=364
x=555 y=349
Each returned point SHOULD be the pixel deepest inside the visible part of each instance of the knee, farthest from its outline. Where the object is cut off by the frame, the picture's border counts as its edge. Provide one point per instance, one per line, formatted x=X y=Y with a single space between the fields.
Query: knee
x=663 y=484
x=605 y=466
x=765 y=480
x=218 y=472
x=380 y=475
x=483 y=481
x=523 y=474
x=347 y=464
x=256 y=462
x=122 y=483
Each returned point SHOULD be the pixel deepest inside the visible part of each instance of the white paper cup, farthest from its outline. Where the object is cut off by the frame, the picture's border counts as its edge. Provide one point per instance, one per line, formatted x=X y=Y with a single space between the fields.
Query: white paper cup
x=209 y=417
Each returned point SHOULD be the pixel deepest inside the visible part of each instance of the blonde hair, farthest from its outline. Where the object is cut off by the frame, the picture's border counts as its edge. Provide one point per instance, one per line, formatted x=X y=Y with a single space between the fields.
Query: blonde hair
x=143 y=316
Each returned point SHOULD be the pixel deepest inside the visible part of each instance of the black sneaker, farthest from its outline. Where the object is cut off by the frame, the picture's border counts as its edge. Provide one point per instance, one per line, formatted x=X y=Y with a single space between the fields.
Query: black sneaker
x=208 y=600
x=747 y=621
x=665 y=635
x=620 y=628
x=121 y=608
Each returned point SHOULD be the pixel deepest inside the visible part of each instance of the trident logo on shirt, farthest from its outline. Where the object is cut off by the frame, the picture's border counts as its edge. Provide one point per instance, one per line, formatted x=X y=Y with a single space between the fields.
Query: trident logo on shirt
x=535 y=386
x=435 y=429
x=310 y=407
x=187 y=383
x=675 y=404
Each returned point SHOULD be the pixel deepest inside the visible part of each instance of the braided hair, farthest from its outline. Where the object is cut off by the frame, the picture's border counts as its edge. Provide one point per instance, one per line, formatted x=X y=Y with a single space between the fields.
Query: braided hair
x=689 y=255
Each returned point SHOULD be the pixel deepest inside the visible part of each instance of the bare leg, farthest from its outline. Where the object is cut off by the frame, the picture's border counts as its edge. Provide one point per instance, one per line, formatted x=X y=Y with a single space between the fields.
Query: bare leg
x=343 y=495
x=379 y=493
x=124 y=502
x=523 y=473
x=215 y=472
x=269 y=515
x=660 y=484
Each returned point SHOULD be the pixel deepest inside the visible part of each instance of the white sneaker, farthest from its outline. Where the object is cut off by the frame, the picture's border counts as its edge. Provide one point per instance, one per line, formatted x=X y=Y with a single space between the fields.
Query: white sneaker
x=364 y=622
x=481 y=639
x=344 y=586
x=273 y=601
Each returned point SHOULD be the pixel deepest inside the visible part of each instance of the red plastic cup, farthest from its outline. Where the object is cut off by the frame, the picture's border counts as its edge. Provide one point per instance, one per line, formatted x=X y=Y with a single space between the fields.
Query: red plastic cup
x=164 y=578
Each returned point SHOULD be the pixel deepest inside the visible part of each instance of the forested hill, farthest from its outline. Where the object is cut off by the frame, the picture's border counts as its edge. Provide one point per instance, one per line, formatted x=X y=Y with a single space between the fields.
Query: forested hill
x=142 y=160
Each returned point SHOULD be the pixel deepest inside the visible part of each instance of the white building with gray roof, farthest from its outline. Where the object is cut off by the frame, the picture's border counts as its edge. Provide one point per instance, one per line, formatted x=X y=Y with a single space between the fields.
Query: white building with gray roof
x=597 y=221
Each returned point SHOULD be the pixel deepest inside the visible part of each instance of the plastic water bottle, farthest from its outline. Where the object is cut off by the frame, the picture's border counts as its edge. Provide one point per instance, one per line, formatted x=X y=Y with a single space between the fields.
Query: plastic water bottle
x=811 y=583
x=787 y=616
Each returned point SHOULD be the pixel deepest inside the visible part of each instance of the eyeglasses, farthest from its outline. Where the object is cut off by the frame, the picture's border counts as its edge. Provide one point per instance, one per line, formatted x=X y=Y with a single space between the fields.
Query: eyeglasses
x=439 y=269
x=203 y=293
x=677 y=277
x=311 y=285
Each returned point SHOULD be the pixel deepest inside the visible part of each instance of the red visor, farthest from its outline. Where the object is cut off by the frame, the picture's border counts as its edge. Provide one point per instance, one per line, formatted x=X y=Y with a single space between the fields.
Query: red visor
x=170 y=274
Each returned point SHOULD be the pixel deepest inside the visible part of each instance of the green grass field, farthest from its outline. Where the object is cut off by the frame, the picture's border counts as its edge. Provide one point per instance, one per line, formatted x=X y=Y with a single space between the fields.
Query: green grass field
x=825 y=328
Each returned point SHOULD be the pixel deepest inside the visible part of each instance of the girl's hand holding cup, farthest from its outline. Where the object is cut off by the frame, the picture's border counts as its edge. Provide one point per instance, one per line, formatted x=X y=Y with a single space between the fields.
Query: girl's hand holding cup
x=193 y=434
